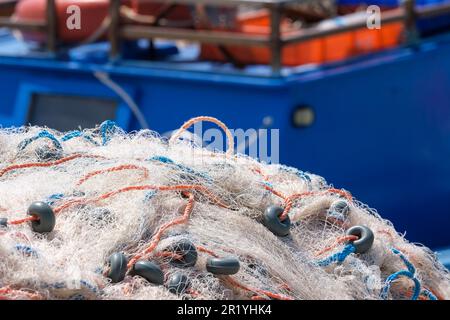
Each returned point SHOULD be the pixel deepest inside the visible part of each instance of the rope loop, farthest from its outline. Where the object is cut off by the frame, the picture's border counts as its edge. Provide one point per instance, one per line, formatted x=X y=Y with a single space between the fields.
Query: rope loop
x=189 y=123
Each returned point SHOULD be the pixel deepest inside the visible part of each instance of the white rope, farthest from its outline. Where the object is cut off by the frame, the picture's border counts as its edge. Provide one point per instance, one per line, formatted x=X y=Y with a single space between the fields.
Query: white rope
x=104 y=78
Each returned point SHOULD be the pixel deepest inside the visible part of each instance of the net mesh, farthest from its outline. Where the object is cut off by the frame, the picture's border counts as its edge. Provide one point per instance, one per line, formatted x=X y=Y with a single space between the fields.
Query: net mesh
x=142 y=196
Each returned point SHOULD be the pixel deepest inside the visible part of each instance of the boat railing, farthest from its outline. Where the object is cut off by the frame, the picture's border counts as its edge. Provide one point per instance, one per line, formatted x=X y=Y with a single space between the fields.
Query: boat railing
x=120 y=30
x=48 y=26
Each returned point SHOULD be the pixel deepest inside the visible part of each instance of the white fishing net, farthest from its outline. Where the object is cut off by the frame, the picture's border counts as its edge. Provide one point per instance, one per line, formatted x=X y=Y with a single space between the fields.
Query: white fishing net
x=139 y=196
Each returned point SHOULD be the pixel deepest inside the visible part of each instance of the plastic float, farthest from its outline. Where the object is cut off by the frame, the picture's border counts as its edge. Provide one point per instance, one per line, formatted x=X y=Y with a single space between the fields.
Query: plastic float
x=325 y=49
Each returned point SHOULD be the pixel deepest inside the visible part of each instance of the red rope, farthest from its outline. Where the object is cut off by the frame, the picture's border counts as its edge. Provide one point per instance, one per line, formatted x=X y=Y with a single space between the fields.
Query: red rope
x=336 y=243
x=115 y=169
x=27 y=219
x=239 y=285
x=167 y=254
x=158 y=235
x=202 y=249
x=290 y=200
x=7 y=293
x=110 y=194
x=45 y=164
x=269 y=294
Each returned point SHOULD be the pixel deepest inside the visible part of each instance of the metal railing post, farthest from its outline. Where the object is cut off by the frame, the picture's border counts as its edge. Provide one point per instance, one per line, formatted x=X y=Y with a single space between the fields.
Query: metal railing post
x=276 y=45
x=51 y=26
x=114 y=35
x=412 y=35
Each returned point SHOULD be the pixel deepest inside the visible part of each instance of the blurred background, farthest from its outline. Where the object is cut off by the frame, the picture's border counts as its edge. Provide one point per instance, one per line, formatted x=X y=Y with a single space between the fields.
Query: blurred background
x=359 y=90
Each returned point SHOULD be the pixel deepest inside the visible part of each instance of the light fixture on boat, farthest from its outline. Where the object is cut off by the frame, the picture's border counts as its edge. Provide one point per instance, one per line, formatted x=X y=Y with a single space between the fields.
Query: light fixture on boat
x=303 y=116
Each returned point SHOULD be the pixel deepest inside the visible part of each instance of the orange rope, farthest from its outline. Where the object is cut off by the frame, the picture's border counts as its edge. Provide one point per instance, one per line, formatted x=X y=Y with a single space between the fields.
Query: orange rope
x=262 y=174
x=236 y=284
x=189 y=123
x=336 y=243
x=269 y=294
x=110 y=194
x=167 y=254
x=266 y=179
x=45 y=164
x=437 y=294
x=290 y=200
x=275 y=192
x=157 y=237
x=71 y=203
x=193 y=293
x=203 y=249
x=27 y=219
x=409 y=292
x=258 y=298
x=284 y=286
x=388 y=233
x=6 y=293
x=115 y=169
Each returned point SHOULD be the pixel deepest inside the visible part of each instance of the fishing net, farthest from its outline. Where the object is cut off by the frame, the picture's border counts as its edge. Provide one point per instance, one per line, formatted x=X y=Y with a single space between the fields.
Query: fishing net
x=137 y=216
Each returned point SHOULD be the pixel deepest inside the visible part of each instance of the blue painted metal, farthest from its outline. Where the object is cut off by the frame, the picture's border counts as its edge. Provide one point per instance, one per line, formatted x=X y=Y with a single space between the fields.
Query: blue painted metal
x=382 y=127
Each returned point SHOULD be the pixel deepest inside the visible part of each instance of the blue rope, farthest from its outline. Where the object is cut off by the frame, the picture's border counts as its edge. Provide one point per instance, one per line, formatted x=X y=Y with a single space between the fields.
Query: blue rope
x=428 y=294
x=149 y=195
x=181 y=167
x=54 y=198
x=107 y=128
x=301 y=174
x=405 y=273
x=338 y=257
x=410 y=273
x=56 y=285
x=26 y=250
x=44 y=134
x=304 y=176
x=76 y=134
x=71 y=135
x=99 y=270
x=268 y=184
x=405 y=260
x=161 y=159
x=193 y=172
x=91 y=287
x=63 y=285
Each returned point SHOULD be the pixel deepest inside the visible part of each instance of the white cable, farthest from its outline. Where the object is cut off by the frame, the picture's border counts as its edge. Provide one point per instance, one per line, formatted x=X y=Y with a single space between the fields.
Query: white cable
x=104 y=78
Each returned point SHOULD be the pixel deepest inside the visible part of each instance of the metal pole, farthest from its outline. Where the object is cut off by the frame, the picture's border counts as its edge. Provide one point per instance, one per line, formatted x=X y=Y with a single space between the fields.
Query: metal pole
x=412 y=35
x=275 y=39
x=114 y=35
x=51 y=26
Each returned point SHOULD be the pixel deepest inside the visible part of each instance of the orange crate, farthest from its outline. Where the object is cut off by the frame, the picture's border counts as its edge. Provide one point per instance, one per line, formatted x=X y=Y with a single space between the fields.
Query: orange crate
x=326 y=49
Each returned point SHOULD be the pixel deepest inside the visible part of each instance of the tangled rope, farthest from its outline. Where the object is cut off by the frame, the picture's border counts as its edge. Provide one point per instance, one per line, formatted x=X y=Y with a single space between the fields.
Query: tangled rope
x=178 y=248
x=409 y=273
